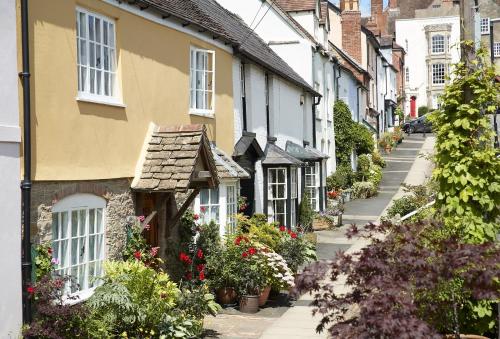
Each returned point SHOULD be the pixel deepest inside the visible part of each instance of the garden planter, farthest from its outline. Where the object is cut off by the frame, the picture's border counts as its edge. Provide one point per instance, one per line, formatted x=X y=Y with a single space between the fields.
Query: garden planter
x=346 y=195
x=249 y=304
x=388 y=150
x=226 y=295
x=264 y=295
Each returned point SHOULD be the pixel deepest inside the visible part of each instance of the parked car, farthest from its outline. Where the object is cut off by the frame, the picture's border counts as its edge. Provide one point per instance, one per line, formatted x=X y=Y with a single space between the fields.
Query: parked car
x=420 y=125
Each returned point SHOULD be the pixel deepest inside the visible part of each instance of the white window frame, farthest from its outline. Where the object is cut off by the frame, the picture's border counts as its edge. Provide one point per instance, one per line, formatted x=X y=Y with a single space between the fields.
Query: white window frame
x=436 y=74
x=314 y=175
x=485 y=26
x=294 y=187
x=78 y=203
x=193 y=109
x=84 y=67
x=496 y=49
x=206 y=217
x=407 y=74
x=438 y=44
x=231 y=207
x=271 y=200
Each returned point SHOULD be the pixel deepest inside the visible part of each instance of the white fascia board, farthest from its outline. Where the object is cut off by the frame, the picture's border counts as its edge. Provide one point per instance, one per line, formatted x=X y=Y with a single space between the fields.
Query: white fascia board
x=168 y=22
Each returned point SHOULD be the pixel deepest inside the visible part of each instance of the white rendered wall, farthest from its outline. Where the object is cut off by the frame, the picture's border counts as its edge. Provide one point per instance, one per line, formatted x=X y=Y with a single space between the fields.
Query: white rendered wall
x=411 y=33
x=306 y=20
x=10 y=197
x=348 y=92
x=335 y=34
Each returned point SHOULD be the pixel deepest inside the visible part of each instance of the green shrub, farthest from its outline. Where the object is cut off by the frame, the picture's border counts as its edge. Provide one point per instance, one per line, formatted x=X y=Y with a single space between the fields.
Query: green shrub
x=377 y=159
x=375 y=176
x=363 y=140
x=364 y=166
x=341 y=179
x=422 y=110
x=403 y=206
x=363 y=189
x=344 y=134
x=306 y=213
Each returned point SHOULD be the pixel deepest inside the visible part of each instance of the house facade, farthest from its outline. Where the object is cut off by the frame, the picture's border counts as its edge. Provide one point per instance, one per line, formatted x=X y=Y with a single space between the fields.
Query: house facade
x=297 y=34
x=134 y=127
x=10 y=198
x=431 y=46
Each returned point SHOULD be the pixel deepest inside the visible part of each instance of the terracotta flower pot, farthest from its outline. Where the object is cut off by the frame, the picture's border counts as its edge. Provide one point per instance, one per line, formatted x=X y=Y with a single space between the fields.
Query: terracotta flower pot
x=264 y=295
x=249 y=303
x=226 y=295
x=388 y=149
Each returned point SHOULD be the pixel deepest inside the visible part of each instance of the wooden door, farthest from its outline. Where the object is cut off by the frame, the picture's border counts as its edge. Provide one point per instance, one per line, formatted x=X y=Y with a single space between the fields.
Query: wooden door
x=148 y=206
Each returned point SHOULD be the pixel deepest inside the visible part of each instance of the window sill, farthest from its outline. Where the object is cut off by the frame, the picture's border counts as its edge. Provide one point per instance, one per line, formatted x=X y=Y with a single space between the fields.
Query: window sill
x=114 y=103
x=81 y=297
x=210 y=115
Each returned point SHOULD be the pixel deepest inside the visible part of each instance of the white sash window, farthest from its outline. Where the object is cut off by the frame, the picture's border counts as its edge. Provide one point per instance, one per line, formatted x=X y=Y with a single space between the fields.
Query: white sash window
x=202 y=65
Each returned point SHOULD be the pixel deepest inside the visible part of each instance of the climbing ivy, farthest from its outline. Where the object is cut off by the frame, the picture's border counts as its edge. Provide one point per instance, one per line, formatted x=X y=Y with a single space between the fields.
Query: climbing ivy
x=467 y=170
x=349 y=135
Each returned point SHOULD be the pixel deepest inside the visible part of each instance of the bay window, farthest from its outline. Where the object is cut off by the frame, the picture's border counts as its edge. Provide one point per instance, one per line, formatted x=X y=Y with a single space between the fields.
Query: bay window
x=437 y=44
x=78 y=239
x=96 y=57
x=202 y=80
x=438 y=74
x=277 y=195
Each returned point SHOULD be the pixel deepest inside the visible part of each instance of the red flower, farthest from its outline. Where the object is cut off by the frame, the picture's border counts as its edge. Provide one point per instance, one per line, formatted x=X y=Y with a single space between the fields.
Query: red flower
x=237 y=241
x=282 y=228
x=196 y=217
x=244 y=255
x=138 y=255
x=200 y=267
x=185 y=258
x=199 y=254
x=49 y=250
x=189 y=276
x=289 y=232
x=203 y=209
x=293 y=235
x=202 y=276
x=252 y=251
x=30 y=289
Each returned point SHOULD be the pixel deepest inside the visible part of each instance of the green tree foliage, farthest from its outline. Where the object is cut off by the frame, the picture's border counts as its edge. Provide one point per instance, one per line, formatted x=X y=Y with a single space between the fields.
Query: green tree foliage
x=306 y=213
x=363 y=140
x=467 y=169
x=423 y=110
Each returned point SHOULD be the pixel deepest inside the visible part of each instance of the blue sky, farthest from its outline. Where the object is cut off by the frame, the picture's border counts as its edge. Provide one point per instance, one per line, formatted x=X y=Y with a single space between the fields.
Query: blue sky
x=365 y=6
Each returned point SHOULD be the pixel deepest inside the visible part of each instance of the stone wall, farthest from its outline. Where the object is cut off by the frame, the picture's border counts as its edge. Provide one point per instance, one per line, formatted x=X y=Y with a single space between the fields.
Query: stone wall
x=119 y=204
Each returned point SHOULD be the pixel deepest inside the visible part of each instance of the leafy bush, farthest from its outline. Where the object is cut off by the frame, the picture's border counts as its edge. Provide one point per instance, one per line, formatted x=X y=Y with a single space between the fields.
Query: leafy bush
x=377 y=159
x=375 y=176
x=344 y=140
x=54 y=317
x=363 y=140
x=306 y=213
x=422 y=110
x=341 y=179
x=364 y=166
x=44 y=262
x=296 y=249
x=133 y=299
x=363 y=189
x=395 y=285
x=403 y=206
x=467 y=168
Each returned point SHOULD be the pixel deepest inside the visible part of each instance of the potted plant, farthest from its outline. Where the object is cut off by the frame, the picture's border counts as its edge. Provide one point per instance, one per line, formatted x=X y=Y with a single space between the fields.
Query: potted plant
x=277 y=274
x=249 y=267
x=222 y=278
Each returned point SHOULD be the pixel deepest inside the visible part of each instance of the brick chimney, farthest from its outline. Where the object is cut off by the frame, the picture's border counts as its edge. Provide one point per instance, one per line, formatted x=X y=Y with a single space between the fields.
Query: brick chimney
x=393 y=4
x=351 y=28
x=377 y=7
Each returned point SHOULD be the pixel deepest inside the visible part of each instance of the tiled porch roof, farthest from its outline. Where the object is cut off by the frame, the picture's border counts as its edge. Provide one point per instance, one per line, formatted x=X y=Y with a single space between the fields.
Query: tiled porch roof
x=177 y=159
x=227 y=168
x=277 y=156
x=304 y=153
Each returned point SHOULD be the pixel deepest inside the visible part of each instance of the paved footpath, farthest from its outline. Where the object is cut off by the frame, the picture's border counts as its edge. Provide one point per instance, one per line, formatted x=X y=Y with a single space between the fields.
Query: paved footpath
x=404 y=165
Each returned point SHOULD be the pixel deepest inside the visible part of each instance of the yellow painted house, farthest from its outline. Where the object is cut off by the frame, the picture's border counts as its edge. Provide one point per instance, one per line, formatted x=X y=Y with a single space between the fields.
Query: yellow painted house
x=132 y=114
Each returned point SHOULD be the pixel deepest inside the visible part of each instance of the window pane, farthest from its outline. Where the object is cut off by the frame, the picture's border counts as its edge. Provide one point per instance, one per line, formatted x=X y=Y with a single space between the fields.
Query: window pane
x=55 y=226
x=99 y=220
x=74 y=223
x=99 y=85
x=204 y=197
x=214 y=214
x=64 y=256
x=91 y=248
x=92 y=221
x=282 y=176
x=83 y=22
x=214 y=196
x=83 y=77
x=83 y=222
x=111 y=35
x=98 y=59
x=105 y=32
x=91 y=28
x=74 y=251
x=97 y=29
x=106 y=83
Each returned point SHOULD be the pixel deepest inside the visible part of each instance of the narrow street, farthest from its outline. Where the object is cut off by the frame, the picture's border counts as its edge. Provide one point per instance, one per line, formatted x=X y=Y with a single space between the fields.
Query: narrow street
x=404 y=165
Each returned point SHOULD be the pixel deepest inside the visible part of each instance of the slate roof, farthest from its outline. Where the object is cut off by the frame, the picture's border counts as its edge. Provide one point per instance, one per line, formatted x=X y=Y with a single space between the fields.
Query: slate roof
x=210 y=15
x=304 y=153
x=247 y=140
x=171 y=156
x=277 y=156
x=227 y=168
x=297 y=5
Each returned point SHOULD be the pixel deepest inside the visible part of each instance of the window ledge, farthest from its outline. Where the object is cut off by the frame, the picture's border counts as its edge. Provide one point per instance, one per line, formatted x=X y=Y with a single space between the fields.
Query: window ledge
x=103 y=101
x=82 y=296
x=210 y=115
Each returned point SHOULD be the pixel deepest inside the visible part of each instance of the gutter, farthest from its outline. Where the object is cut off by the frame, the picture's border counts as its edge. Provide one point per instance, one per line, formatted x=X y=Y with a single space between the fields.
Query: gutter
x=26 y=183
x=315 y=103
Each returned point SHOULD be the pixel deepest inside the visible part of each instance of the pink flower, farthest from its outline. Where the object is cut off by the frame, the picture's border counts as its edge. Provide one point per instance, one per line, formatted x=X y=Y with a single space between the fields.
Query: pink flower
x=154 y=251
x=203 y=209
x=142 y=218
x=55 y=261
x=252 y=251
x=196 y=216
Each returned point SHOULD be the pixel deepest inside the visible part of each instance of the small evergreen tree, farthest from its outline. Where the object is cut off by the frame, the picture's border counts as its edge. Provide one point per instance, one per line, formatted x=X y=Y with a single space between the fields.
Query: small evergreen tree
x=306 y=213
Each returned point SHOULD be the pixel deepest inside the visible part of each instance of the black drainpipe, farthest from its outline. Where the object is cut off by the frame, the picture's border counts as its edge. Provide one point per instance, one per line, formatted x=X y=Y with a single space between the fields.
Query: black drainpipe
x=26 y=183
x=314 y=118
